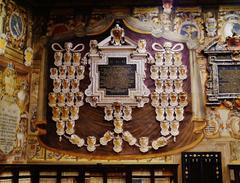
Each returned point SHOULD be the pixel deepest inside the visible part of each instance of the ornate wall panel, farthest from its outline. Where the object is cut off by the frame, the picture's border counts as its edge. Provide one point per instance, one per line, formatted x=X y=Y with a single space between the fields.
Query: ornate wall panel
x=188 y=22
x=229 y=21
x=14 y=105
x=110 y=121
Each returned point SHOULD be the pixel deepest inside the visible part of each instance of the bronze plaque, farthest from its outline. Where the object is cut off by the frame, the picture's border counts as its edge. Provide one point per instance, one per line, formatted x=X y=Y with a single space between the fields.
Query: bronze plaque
x=229 y=80
x=117 y=77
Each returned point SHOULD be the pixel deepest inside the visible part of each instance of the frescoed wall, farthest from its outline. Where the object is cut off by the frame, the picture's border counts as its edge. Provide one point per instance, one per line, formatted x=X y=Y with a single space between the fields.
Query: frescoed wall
x=197 y=49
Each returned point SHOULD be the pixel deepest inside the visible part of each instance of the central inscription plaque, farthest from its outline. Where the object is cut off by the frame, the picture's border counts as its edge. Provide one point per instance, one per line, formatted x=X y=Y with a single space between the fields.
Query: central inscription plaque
x=229 y=80
x=117 y=77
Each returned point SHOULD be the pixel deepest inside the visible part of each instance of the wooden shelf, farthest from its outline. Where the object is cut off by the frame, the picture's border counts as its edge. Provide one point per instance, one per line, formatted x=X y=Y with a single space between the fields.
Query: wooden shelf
x=57 y=172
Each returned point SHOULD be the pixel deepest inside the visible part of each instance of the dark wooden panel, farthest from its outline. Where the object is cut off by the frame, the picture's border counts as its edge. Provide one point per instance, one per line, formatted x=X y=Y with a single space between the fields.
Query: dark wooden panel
x=201 y=167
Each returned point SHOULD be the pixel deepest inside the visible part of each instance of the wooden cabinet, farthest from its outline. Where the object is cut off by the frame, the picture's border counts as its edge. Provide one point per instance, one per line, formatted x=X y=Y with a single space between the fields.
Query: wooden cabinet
x=201 y=167
x=128 y=173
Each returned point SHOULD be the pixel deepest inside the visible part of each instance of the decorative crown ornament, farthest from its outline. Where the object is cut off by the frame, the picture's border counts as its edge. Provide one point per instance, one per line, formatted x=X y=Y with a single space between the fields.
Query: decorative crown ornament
x=233 y=42
x=117 y=36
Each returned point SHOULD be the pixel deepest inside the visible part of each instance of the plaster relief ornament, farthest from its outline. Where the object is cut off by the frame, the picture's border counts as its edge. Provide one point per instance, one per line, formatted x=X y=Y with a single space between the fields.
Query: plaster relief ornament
x=65 y=85
x=141 y=47
x=71 y=72
x=127 y=113
x=9 y=81
x=92 y=101
x=79 y=96
x=182 y=71
x=61 y=99
x=183 y=99
x=143 y=142
x=28 y=56
x=75 y=85
x=107 y=137
x=159 y=84
x=74 y=110
x=80 y=72
x=163 y=72
x=164 y=99
x=173 y=72
x=229 y=24
x=159 y=58
x=67 y=55
x=234 y=126
x=91 y=143
x=66 y=79
x=228 y=104
x=177 y=57
x=169 y=113
x=70 y=99
x=173 y=99
x=178 y=85
x=108 y=110
x=179 y=113
x=155 y=99
x=20 y=131
x=76 y=59
x=54 y=73
x=52 y=99
x=141 y=101
x=154 y=72
x=74 y=139
x=65 y=113
x=55 y=113
x=167 y=6
x=117 y=144
x=188 y=22
x=58 y=55
x=23 y=96
x=164 y=128
x=93 y=44
x=168 y=98
x=174 y=125
x=117 y=110
x=160 y=142
x=62 y=72
x=211 y=24
x=213 y=122
x=168 y=86
x=118 y=124
x=128 y=137
x=160 y=113
x=60 y=125
x=117 y=36
x=168 y=58
x=70 y=124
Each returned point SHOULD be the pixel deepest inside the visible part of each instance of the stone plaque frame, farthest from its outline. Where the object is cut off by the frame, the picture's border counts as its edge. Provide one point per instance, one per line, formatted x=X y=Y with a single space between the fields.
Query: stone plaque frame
x=96 y=96
x=217 y=57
